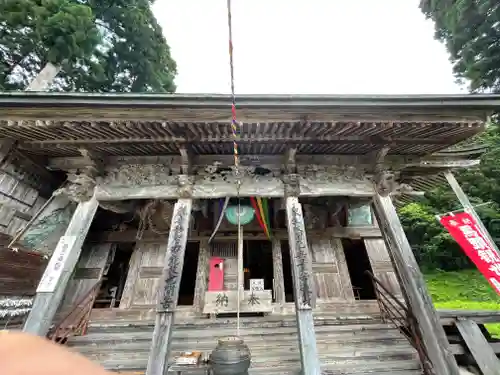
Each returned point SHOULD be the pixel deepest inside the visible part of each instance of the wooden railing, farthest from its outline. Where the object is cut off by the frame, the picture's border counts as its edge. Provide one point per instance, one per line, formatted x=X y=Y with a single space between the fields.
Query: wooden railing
x=394 y=311
x=76 y=321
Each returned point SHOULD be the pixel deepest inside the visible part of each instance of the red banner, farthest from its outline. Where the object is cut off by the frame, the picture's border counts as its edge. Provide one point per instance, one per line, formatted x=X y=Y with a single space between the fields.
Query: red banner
x=475 y=244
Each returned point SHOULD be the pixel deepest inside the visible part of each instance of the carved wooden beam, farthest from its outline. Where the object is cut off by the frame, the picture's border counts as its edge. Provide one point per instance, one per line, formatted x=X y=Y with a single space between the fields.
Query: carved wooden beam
x=75 y=163
x=158 y=186
x=129 y=235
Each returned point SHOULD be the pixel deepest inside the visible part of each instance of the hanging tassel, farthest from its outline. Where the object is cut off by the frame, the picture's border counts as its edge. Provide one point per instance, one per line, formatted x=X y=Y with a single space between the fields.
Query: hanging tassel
x=267 y=217
x=257 y=213
x=261 y=210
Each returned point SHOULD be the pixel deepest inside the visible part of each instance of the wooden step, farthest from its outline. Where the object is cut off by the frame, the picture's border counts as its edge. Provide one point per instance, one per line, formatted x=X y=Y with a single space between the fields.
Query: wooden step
x=262 y=322
x=358 y=345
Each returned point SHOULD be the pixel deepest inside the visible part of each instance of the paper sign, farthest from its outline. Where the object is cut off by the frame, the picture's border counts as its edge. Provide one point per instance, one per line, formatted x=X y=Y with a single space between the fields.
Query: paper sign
x=256 y=285
x=55 y=268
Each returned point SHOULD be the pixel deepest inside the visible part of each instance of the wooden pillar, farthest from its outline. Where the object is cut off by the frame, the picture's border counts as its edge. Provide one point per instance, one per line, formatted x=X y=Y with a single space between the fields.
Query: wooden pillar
x=201 y=284
x=279 y=282
x=59 y=270
x=415 y=290
x=468 y=207
x=305 y=295
x=169 y=288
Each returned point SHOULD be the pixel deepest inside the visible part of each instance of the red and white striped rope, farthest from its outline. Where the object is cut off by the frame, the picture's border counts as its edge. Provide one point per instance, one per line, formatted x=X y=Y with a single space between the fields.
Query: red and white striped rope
x=235 y=127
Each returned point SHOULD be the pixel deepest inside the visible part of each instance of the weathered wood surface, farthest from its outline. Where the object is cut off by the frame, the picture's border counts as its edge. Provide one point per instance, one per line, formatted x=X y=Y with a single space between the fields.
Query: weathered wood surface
x=44 y=232
x=18 y=200
x=169 y=288
x=331 y=275
x=346 y=345
x=148 y=236
x=480 y=348
x=459 y=349
x=227 y=302
x=382 y=266
x=19 y=271
x=279 y=283
x=89 y=270
x=144 y=275
x=412 y=281
x=479 y=316
x=303 y=285
x=272 y=187
x=46 y=304
x=157 y=181
x=202 y=272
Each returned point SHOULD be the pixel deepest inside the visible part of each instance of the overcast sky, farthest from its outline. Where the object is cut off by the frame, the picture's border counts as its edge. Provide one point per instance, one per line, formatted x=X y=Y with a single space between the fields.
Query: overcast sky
x=306 y=47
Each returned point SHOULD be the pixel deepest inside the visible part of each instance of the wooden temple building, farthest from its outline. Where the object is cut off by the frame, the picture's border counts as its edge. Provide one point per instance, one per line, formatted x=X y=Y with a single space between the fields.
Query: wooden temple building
x=142 y=199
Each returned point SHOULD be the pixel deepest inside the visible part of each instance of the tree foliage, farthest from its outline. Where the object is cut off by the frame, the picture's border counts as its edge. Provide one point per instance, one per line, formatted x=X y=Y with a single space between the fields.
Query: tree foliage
x=101 y=45
x=434 y=248
x=471 y=31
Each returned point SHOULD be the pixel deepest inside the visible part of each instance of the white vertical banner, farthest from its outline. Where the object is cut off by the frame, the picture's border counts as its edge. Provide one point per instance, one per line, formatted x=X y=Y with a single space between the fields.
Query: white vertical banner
x=55 y=268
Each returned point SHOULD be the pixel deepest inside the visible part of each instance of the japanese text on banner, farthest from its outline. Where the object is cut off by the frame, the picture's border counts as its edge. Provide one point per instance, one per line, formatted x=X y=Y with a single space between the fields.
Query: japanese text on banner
x=464 y=229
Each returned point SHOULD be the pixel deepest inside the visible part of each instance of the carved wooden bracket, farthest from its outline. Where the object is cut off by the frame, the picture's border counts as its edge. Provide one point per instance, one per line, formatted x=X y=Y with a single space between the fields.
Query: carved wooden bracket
x=185 y=185
x=376 y=159
x=386 y=183
x=95 y=163
x=79 y=187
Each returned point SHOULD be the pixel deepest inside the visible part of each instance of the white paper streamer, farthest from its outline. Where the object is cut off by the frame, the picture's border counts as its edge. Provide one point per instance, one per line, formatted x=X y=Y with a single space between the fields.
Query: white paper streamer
x=12 y=307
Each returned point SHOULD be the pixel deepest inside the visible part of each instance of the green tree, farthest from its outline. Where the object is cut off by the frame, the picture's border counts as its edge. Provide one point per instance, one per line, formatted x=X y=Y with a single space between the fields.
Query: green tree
x=99 y=45
x=471 y=31
x=434 y=248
